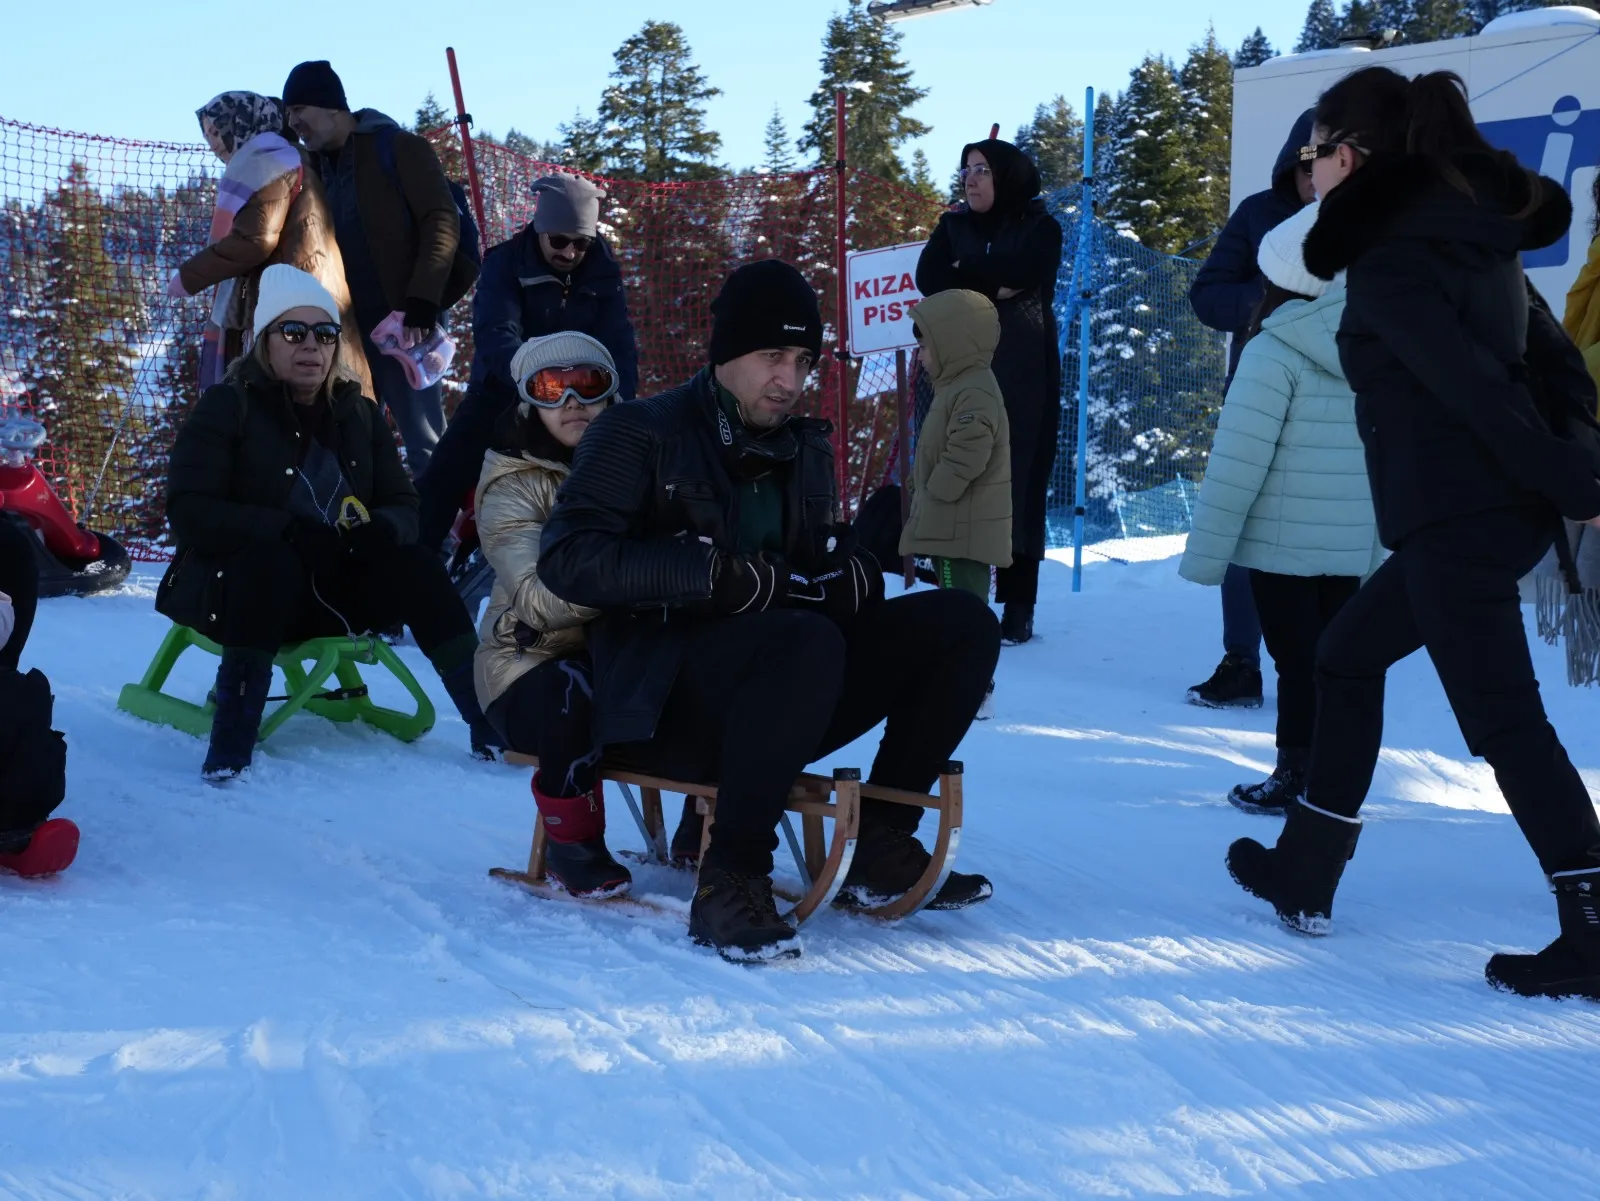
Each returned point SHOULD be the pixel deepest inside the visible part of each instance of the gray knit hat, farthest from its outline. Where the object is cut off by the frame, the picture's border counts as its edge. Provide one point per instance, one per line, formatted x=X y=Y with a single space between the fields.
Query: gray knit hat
x=569 y=349
x=568 y=204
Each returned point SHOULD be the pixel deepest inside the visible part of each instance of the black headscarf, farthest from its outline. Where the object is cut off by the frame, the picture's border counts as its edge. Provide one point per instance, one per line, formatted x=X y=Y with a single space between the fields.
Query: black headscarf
x=1016 y=179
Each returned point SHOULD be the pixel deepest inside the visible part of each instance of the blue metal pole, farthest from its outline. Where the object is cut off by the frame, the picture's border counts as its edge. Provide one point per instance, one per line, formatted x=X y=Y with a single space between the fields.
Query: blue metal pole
x=1082 y=295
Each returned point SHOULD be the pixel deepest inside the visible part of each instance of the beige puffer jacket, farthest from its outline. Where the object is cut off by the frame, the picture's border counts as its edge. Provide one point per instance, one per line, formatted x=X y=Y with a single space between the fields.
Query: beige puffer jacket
x=515 y=496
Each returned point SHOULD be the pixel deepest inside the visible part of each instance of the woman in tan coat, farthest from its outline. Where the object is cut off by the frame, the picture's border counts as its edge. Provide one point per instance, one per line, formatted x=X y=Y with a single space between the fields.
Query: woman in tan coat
x=961 y=500
x=270 y=209
x=532 y=669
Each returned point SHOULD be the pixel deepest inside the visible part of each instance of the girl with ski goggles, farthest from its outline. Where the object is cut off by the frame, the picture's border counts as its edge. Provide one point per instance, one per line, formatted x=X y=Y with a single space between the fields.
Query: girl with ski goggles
x=552 y=387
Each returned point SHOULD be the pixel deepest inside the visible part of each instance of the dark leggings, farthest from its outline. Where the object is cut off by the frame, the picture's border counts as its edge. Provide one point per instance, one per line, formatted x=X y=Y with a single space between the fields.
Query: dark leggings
x=547 y=712
x=271 y=600
x=19 y=579
x=1294 y=610
x=1451 y=589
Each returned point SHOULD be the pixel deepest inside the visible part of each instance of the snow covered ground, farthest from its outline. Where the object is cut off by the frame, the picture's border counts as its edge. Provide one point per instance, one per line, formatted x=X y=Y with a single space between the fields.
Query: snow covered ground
x=308 y=988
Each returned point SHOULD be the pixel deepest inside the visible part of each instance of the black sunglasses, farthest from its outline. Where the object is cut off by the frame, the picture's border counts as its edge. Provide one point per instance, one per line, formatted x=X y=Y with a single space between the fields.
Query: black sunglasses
x=294 y=332
x=562 y=241
x=1310 y=154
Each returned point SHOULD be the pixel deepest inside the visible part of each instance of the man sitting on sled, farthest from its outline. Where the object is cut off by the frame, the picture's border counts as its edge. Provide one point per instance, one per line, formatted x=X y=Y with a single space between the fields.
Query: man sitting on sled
x=742 y=633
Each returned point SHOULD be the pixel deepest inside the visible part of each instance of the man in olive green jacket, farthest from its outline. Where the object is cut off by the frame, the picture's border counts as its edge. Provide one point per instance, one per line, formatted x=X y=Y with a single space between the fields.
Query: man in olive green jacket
x=961 y=500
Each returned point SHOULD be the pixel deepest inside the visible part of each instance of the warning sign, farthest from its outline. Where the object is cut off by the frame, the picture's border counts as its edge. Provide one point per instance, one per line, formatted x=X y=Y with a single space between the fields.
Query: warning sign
x=883 y=292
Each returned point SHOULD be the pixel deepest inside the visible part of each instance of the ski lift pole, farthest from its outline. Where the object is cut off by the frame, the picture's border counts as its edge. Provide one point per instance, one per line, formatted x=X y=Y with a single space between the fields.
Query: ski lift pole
x=842 y=312
x=1082 y=298
x=464 y=123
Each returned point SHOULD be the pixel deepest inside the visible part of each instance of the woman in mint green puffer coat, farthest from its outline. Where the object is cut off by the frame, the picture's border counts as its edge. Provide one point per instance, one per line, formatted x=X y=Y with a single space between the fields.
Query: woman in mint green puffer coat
x=1286 y=493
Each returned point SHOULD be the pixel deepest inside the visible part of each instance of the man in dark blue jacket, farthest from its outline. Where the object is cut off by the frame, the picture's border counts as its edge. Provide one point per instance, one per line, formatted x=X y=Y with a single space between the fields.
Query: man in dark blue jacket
x=1224 y=295
x=557 y=275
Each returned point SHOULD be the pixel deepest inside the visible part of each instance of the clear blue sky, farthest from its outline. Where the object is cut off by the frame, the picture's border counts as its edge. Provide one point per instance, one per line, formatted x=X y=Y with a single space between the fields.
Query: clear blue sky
x=140 y=70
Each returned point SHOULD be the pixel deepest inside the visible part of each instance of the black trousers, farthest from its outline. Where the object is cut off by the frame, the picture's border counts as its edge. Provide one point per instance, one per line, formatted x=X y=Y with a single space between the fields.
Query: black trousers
x=549 y=712
x=455 y=466
x=759 y=697
x=19 y=579
x=1019 y=583
x=1452 y=588
x=1294 y=610
x=271 y=599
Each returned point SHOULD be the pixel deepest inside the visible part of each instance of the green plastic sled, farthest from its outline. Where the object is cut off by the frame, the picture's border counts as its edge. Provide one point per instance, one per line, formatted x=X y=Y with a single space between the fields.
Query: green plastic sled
x=330 y=657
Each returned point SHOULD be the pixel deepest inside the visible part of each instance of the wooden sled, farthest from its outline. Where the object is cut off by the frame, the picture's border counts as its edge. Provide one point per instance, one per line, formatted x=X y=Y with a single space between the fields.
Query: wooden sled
x=822 y=862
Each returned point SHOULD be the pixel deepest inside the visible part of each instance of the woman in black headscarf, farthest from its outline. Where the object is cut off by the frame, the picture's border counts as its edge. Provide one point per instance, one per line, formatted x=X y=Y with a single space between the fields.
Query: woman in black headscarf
x=1004 y=244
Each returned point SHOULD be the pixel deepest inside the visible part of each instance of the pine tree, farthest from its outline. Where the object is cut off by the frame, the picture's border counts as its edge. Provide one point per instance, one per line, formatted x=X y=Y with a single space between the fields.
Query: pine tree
x=1359 y=16
x=1156 y=177
x=1206 y=81
x=1438 y=20
x=1254 y=50
x=1054 y=141
x=1321 y=30
x=922 y=176
x=431 y=115
x=83 y=372
x=652 y=117
x=862 y=55
x=540 y=152
x=580 y=144
x=779 y=159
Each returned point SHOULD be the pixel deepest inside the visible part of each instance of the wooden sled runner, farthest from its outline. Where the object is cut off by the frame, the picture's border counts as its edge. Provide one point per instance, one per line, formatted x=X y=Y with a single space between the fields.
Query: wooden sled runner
x=823 y=862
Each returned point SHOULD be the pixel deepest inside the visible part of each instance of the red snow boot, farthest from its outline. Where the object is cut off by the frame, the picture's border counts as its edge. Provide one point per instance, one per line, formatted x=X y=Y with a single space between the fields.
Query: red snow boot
x=575 y=856
x=51 y=849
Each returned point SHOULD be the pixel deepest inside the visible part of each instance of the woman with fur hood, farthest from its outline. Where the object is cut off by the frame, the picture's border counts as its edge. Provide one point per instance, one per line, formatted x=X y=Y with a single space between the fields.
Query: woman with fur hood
x=532 y=668
x=1472 y=468
x=1285 y=493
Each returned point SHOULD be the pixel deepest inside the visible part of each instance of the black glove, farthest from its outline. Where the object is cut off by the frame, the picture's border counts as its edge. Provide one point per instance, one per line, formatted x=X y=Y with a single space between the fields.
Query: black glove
x=844 y=591
x=746 y=584
x=421 y=314
x=317 y=544
x=370 y=538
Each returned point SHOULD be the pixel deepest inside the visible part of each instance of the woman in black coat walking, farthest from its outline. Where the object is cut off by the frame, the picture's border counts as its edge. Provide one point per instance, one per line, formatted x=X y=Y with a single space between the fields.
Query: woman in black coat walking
x=1473 y=457
x=1004 y=244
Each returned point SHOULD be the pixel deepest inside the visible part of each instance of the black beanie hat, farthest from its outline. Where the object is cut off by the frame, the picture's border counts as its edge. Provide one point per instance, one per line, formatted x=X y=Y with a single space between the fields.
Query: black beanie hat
x=317 y=84
x=762 y=306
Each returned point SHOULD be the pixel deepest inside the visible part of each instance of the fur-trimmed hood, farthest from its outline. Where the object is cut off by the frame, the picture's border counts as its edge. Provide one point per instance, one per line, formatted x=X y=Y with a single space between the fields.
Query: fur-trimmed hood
x=1406 y=196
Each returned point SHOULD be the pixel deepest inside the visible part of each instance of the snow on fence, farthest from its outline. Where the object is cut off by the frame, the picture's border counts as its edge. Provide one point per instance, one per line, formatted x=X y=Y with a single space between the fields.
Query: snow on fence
x=91 y=228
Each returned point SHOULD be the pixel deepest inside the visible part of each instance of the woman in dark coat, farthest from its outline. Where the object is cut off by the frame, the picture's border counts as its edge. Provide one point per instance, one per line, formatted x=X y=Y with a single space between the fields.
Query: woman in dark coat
x=1477 y=419
x=294 y=519
x=1004 y=244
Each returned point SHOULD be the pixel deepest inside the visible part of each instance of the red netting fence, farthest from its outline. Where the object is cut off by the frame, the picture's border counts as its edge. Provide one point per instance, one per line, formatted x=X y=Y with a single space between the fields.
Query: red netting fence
x=91 y=229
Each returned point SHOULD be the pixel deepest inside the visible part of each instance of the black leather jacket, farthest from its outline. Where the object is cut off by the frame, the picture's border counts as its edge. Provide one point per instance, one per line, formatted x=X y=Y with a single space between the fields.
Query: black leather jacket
x=650 y=501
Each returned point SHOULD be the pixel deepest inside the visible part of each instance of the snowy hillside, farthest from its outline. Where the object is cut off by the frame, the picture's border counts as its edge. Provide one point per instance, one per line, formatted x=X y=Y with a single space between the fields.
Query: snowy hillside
x=308 y=987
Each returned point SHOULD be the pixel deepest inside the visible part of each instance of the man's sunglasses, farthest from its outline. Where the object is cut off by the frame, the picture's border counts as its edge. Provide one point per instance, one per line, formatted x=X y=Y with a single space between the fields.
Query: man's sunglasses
x=562 y=241
x=552 y=387
x=294 y=332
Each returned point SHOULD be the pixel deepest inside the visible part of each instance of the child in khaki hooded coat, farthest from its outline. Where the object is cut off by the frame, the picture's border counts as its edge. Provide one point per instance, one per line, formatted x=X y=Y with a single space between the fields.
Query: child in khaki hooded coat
x=961 y=498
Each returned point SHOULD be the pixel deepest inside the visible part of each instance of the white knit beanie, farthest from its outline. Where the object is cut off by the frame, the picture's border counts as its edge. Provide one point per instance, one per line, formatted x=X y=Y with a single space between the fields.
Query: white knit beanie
x=283 y=288
x=569 y=349
x=1282 y=254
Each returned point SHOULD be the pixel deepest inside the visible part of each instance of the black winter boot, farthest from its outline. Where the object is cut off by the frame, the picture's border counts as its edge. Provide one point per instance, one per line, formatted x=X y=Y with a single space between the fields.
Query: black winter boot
x=586 y=869
x=1570 y=966
x=1236 y=684
x=1016 y=623
x=486 y=744
x=243 y=679
x=685 y=849
x=1300 y=875
x=735 y=913
x=1285 y=786
x=888 y=862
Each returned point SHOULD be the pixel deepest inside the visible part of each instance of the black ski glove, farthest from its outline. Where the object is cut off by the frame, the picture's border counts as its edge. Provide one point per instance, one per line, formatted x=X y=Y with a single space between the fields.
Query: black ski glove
x=371 y=539
x=842 y=592
x=421 y=315
x=317 y=544
x=746 y=584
